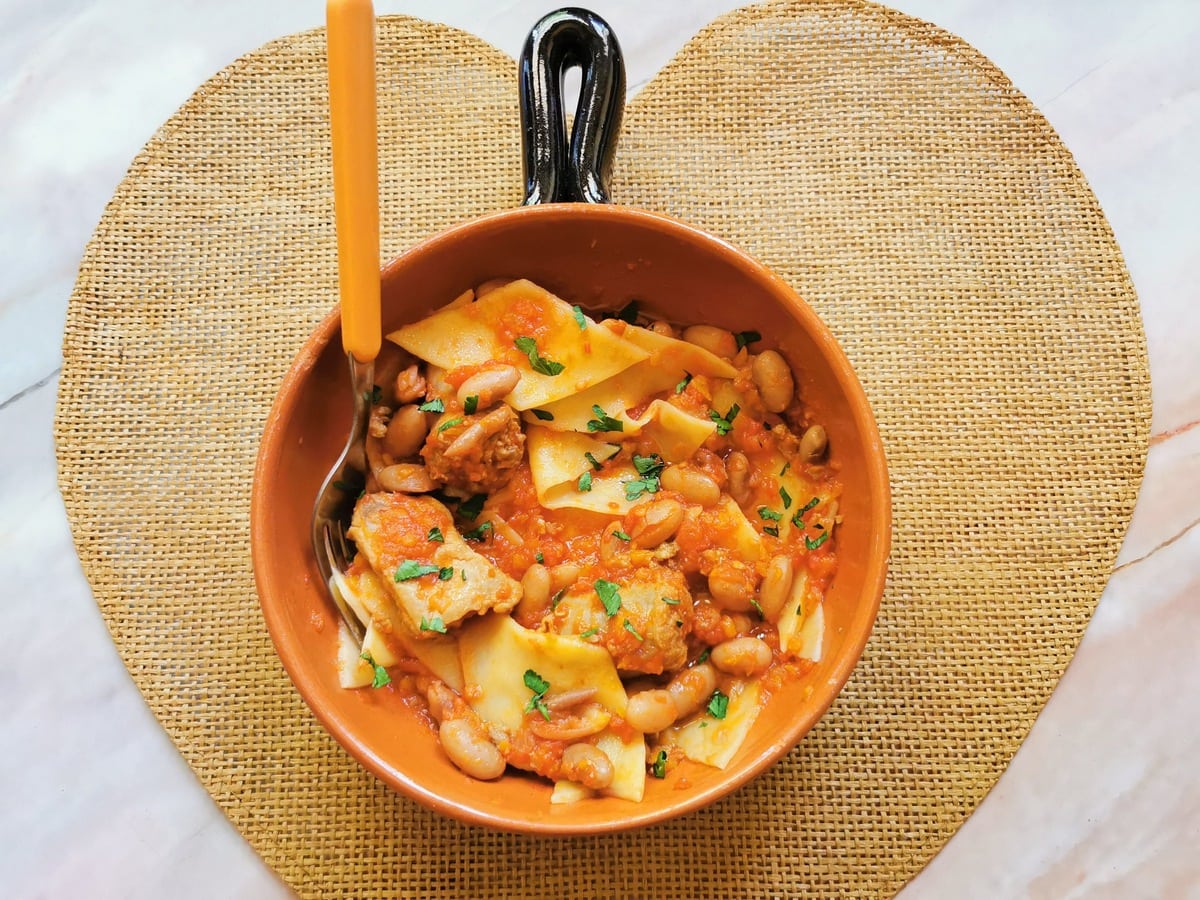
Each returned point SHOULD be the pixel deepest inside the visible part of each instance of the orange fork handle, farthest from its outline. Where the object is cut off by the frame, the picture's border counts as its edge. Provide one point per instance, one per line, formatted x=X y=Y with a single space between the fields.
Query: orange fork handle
x=350 y=43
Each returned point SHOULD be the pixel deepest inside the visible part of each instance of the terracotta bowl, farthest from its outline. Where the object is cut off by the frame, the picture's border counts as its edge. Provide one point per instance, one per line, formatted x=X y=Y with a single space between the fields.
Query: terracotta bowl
x=600 y=257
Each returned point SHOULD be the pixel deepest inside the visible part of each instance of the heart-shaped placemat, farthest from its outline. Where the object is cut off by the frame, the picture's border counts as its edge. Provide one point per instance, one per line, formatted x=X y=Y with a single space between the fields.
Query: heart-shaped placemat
x=918 y=201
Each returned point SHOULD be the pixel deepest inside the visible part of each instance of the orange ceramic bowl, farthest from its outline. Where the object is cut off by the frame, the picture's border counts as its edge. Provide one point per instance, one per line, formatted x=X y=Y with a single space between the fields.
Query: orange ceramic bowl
x=600 y=257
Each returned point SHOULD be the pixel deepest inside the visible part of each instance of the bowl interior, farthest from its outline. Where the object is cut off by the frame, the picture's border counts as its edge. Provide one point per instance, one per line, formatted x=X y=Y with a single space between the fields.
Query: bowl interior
x=599 y=257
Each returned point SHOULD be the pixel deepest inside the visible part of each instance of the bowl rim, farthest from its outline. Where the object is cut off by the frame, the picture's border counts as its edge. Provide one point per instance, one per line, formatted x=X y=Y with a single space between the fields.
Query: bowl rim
x=875 y=476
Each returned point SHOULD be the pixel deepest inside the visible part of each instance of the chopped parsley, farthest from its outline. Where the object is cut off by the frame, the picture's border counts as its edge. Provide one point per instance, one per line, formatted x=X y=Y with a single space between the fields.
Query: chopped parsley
x=765 y=512
x=585 y=482
x=539 y=557
x=629 y=312
x=539 y=686
x=445 y=573
x=659 y=767
x=434 y=623
x=813 y=545
x=343 y=486
x=718 y=705
x=543 y=415
x=435 y=535
x=603 y=421
x=621 y=536
x=609 y=595
x=434 y=405
x=724 y=422
x=785 y=497
x=758 y=608
x=470 y=509
x=410 y=569
x=381 y=677
x=579 y=319
x=595 y=463
x=649 y=467
x=703 y=657
x=798 y=518
x=450 y=423
x=554 y=600
x=639 y=486
x=471 y=404
x=537 y=362
x=742 y=338
x=591 y=632
x=684 y=382
x=478 y=533
x=376 y=393
x=628 y=626
x=787 y=465
x=670 y=601
x=772 y=530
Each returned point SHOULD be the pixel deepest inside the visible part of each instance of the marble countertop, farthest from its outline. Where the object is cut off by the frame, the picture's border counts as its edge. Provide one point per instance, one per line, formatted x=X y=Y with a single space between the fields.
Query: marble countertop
x=1103 y=799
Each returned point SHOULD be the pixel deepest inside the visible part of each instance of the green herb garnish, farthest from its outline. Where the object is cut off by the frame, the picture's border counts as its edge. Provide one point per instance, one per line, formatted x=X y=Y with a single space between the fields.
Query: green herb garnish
x=724 y=422
x=470 y=509
x=609 y=595
x=543 y=415
x=450 y=423
x=649 y=467
x=381 y=677
x=670 y=601
x=742 y=338
x=628 y=626
x=410 y=569
x=758 y=608
x=538 y=363
x=435 y=535
x=659 y=767
x=772 y=530
x=539 y=557
x=376 y=393
x=471 y=404
x=591 y=632
x=595 y=463
x=603 y=421
x=434 y=405
x=787 y=465
x=434 y=623
x=478 y=533
x=445 y=573
x=621 y=536
x=539 y=686
x=785 y=497
x=684 y=382
x=585 y=482
x=703 y=657
x=813 y=545
x=765 y=512
x=718 y=705
x=579 y=319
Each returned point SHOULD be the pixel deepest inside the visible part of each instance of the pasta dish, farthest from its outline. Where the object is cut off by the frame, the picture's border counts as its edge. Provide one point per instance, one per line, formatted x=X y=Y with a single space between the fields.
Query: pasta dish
x=589 y=548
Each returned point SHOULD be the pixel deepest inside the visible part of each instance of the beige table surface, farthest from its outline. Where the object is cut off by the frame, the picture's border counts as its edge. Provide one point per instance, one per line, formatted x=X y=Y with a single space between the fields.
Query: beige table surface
x=1103 y=799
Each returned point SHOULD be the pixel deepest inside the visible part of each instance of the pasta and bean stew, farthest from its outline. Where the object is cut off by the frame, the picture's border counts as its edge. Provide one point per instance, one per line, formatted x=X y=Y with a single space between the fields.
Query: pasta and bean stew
x=587 y=549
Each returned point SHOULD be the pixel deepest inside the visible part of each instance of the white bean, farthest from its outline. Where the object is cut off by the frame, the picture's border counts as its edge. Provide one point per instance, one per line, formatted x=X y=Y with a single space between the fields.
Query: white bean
x=715 y=340
x=470 y=750
x=742 y=656
x=489 y=386
x=776 y=586
x=692 y=688
x=587 y=765
x=651 y=711
x=773 y=377
x=691 y=484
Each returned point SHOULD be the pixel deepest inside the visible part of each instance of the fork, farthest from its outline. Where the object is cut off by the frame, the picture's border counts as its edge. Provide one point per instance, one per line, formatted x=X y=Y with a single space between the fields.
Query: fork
x=350 y=43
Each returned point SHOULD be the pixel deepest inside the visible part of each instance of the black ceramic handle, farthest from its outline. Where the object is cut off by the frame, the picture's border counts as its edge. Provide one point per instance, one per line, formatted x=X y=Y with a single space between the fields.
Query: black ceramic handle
x=554 y=171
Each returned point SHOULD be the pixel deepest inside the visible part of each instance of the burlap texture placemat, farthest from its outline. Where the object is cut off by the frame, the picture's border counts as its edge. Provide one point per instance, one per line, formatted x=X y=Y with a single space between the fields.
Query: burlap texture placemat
x=887 y=170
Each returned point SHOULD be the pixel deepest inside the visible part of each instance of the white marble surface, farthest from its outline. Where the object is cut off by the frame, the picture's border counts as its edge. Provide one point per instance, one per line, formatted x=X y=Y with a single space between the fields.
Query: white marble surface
x=1103 y=799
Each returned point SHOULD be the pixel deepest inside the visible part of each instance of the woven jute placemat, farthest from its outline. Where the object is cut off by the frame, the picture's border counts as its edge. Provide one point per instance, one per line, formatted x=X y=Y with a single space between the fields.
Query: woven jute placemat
x=887 y=170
